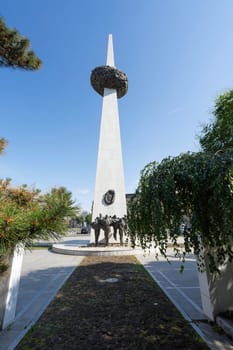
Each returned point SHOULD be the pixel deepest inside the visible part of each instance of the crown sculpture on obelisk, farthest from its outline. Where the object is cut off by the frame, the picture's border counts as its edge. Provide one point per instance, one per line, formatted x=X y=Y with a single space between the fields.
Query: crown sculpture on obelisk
x=109 y=206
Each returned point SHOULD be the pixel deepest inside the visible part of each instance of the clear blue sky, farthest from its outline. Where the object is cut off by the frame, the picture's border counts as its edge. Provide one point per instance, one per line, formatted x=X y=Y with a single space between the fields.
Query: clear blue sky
x=178 y=55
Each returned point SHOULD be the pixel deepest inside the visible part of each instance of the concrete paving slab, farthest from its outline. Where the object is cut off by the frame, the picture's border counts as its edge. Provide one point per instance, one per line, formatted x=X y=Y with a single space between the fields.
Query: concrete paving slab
x=178 y=286
x=188 y=305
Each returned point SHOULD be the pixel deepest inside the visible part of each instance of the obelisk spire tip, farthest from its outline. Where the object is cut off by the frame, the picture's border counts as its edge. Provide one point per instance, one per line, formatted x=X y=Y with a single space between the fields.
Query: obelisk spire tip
x=110 y=53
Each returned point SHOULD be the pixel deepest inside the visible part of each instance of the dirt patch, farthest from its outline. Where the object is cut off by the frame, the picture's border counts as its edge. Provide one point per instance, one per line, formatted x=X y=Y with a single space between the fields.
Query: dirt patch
x=111 y=303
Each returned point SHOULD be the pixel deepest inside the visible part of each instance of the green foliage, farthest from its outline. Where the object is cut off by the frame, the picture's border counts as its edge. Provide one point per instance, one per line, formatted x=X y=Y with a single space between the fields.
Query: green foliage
x=83 y=217
x=3 y=143
x=26 y=215
x=3 y=267
x=15 y=50
x=88 y=218
x=15 y=53
x=193 y=188
x=218 y=135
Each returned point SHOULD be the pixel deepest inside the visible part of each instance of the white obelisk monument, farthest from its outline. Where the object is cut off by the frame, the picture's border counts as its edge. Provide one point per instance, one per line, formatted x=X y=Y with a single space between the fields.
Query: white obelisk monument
x=109 y=195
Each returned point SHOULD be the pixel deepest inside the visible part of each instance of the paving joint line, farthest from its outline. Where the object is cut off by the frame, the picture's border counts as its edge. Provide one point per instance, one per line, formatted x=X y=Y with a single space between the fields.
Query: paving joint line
x=180 y=292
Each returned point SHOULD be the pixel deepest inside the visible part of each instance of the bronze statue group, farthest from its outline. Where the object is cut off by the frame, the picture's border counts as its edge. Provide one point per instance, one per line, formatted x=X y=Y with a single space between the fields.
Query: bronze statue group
x=105 y=223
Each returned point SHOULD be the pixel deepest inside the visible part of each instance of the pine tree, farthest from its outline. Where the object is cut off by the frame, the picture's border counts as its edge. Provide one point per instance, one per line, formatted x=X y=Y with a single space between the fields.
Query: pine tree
x=15 y=53
x=3 y=143
x=15 y=50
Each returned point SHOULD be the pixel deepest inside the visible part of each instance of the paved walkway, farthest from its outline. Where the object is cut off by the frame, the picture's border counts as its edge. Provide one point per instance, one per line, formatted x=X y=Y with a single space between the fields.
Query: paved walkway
x=184 y=291
x=44 y=272
x=182 y=288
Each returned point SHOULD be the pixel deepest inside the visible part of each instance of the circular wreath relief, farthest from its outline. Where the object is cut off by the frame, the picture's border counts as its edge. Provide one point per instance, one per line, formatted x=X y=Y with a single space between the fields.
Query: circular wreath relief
x=109 y=197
